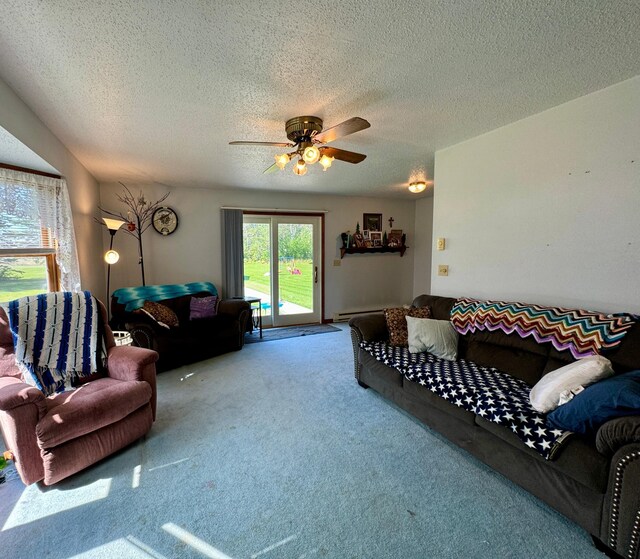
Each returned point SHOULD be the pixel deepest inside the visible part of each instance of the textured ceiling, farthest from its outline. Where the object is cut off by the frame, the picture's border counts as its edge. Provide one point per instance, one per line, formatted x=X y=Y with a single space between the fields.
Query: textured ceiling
x=14 y=152
x=154 y=90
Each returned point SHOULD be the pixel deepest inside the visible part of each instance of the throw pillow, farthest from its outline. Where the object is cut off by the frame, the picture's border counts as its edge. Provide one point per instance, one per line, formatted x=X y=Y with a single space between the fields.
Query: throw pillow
x=562 y=384
x=162 y=314
x=438 y=337
x=607 y=399
x=203 y=307
x=397 y=322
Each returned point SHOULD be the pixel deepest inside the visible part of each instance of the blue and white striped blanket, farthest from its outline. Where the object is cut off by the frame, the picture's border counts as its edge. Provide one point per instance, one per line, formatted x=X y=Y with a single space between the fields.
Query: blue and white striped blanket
x=56 y=339
x=134 y=297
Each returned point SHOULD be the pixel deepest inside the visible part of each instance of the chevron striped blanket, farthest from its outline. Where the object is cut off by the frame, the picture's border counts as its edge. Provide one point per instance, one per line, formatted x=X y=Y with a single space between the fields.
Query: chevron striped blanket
x=56 y=338
x=134 y=297
x=583 y=333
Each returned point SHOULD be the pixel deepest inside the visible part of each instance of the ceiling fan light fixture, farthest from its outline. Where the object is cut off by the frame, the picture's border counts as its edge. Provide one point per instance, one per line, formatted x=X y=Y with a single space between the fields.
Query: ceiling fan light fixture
x=281 y=160
x=300 y=168
x=417 y=187
x=311 y=155
x=326 y=162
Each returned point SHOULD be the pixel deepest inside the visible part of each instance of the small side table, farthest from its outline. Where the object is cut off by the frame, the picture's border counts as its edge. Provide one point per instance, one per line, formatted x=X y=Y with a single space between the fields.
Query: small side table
x=256 y=311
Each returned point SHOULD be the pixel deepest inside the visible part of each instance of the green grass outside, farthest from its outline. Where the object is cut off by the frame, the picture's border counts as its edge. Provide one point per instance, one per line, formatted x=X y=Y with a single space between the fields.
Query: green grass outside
x=32 y=282
x=297 y=289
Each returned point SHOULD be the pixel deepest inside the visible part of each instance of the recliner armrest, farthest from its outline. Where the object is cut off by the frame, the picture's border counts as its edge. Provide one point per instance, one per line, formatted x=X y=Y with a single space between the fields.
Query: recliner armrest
x=15 y=393
x=127 y=362
x=617 y=433
x=371 y=327
x=134 y=363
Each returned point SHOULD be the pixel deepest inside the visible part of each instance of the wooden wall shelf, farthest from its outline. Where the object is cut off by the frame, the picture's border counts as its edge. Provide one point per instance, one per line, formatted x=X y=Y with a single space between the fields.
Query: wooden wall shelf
x=364 y=250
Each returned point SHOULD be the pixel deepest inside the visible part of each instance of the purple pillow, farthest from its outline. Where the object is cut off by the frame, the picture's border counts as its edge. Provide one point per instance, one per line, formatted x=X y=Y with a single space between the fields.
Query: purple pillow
x=203 y=307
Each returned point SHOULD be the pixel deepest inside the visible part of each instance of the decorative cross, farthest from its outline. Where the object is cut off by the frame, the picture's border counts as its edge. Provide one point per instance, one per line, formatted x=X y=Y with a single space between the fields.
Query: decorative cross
x=391 y=220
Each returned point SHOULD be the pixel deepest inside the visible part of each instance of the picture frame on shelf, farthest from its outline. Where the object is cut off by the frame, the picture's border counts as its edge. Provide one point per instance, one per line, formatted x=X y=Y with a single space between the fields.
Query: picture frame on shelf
x=372 y=222
x=365 y=234
x=377 y=243
x=375 y=237
x=358 y=240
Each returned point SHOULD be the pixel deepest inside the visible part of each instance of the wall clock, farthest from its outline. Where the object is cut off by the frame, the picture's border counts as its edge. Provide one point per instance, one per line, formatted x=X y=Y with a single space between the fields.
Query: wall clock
x=165 y=220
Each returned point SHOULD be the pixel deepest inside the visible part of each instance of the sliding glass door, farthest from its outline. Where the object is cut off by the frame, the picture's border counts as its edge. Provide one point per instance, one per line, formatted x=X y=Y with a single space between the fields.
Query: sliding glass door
x=282 y=259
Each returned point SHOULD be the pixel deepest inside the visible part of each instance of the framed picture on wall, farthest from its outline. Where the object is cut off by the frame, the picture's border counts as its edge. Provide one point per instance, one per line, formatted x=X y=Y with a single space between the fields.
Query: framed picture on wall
x=372 y=222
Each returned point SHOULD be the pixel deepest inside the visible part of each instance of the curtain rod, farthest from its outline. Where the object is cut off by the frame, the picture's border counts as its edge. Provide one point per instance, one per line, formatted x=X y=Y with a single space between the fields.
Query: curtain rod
x=26 y=170
x=288 y=210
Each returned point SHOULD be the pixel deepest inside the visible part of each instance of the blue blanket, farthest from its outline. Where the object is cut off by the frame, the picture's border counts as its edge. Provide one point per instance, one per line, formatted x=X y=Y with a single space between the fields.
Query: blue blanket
x=484 y=391
x=134 y=297
x=56 y=338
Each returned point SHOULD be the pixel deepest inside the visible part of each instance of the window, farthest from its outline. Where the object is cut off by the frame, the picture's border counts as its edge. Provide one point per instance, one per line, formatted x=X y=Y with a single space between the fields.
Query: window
x=37 y=245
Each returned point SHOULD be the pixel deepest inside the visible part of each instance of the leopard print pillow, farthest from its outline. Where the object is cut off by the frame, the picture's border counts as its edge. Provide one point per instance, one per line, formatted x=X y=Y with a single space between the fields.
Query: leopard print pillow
x=397 y=322
x=162 y=314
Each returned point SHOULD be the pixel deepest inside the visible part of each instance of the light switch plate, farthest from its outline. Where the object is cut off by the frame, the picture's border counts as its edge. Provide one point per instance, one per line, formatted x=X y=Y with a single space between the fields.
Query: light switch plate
x=440 y=243
x=337 y=262
x=443 y=270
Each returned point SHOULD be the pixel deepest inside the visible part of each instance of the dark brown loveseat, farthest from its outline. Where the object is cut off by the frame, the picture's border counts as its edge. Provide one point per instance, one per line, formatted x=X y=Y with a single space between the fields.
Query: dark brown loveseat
x=192 y=340
x=594 y=483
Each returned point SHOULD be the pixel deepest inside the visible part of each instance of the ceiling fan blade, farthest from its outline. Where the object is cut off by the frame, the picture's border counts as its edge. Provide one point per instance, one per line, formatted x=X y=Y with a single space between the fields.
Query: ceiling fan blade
x=344 y=155
x=275 y=144
x=271 y=169
x=345 y=128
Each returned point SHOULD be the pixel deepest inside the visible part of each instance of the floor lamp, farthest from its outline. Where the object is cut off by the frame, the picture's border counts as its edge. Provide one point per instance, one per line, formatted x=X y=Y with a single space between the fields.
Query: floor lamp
x=111 y=256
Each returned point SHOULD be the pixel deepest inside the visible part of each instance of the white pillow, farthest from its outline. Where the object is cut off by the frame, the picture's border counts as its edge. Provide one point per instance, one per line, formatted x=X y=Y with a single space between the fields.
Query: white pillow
x=556 y=387
x=435 y=336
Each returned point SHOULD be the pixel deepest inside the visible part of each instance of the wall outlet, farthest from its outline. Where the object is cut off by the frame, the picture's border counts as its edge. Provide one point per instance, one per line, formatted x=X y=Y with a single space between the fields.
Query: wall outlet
x=443 y=270
x=337 y=262
x=440 y=243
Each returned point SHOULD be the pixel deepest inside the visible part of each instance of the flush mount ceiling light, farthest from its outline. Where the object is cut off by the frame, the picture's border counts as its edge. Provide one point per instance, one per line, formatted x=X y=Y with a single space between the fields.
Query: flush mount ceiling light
x=417 y=187
x=309 y=139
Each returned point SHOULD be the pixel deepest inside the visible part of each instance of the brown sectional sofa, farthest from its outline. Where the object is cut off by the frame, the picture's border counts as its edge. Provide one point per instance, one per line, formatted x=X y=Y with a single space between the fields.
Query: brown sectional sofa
x=193 y=340
x=594 y=483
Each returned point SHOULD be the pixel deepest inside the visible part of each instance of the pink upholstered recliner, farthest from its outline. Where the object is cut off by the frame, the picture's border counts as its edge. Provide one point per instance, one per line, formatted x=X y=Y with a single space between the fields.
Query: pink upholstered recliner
x=56 y=436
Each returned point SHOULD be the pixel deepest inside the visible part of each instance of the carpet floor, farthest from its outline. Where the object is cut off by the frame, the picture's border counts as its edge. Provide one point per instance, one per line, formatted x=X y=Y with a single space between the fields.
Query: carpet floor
x=271 y=334
x=275 y=452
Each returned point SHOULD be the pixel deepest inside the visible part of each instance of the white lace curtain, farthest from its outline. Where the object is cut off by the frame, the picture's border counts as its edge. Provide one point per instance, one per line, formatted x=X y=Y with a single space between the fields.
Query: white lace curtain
x=30 y=203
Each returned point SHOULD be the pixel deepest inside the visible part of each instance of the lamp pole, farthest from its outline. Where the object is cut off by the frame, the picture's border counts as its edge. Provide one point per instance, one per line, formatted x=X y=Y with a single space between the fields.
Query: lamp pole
x=111 y=257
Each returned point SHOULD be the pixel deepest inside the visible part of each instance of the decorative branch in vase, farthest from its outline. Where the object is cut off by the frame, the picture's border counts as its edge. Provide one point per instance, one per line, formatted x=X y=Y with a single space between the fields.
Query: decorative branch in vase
x=138 y=218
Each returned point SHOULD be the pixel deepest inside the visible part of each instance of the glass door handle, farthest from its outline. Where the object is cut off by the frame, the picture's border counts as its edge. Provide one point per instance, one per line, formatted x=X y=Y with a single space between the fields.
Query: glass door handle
x=315 y=275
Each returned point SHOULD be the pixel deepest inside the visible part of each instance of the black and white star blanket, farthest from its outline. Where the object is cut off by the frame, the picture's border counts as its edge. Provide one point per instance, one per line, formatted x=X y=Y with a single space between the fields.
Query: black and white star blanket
x=485 y=391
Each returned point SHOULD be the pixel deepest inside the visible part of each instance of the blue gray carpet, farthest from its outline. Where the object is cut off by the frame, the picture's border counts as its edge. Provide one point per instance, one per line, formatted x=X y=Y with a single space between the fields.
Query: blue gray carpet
x=275 y=452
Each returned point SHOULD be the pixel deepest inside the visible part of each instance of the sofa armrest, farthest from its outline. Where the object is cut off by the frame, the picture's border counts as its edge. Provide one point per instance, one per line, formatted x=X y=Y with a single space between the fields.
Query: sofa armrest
x=370 y=327
x=232 y=307
x=15 y=393
x=617 y=433
x=134 y=363
x=21 y=407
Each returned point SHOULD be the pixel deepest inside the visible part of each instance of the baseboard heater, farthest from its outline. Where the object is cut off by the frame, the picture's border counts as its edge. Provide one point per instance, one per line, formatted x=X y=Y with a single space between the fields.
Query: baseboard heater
x=346 y=315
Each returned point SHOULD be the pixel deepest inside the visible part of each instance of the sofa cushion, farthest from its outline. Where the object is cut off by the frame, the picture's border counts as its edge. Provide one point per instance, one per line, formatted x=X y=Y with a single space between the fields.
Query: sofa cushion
x=88 y=408
x=519 y=363
x=608 y=399
x=578 y=459
x=162 y=314
x=556 y=387
x=437 y=337
x=203 y=307
x=397 y=323
x=423 y=395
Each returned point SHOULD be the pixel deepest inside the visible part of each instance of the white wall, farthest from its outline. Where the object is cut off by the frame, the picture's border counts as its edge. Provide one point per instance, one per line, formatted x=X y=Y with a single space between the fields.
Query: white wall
x=423 y=243
x=193 y=252
x=546 y=210
x=19 y=120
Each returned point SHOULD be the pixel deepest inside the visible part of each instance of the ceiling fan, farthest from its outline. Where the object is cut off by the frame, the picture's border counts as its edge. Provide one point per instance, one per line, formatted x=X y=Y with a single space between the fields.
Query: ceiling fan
x=309 y=139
